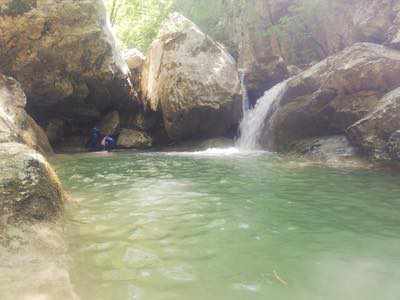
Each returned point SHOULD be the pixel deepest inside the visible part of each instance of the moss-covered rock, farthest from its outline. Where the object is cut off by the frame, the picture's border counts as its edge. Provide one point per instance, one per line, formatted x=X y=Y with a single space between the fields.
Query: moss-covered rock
x=29 y=188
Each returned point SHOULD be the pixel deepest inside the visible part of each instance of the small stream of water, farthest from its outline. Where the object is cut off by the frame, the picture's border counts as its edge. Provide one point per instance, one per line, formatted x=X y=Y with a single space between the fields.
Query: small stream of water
x=252 y=125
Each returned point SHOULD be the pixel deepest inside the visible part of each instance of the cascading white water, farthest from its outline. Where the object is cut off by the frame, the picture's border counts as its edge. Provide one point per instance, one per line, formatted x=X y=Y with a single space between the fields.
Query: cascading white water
x=252 y=124
x=245 y=95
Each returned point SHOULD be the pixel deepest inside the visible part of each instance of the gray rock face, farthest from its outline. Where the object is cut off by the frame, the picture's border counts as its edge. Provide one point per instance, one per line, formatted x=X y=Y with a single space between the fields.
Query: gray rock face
x=133 y=139
x=192 y=81
x=332 y=95
x=64 y=56
x=377 y=134
x=29 y=188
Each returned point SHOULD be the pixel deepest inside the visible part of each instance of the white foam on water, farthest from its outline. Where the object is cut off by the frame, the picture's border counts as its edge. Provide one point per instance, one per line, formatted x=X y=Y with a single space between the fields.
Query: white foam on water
x=219 y=152
x=247 y=287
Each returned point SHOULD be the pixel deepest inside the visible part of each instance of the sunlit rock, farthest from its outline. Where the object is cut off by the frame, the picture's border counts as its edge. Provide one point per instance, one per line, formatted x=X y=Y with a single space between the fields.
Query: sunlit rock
x=192 y=81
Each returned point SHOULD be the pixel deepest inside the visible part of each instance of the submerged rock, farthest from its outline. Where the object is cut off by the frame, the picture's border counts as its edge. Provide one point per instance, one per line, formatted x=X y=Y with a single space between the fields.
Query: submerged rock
x=192 y=81
x=377 y=134
x=332 y=95
x=134 y=139
x=328 y=148
x=35 y=263
x=64 y=56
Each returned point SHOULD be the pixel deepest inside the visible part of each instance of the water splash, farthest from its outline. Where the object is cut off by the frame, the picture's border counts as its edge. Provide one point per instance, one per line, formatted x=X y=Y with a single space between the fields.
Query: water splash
x=252 y=124
x=220 y=152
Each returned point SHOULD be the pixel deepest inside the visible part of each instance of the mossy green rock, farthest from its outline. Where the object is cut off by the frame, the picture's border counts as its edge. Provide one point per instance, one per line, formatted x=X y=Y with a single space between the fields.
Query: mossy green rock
x=29 y=188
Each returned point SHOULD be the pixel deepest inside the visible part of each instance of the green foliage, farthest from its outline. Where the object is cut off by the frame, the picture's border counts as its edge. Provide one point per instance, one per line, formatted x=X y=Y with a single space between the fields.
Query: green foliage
x=137 y=22
x=207 y=14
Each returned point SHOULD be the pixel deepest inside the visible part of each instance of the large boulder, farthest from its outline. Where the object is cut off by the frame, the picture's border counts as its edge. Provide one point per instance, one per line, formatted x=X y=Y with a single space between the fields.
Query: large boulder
x=64 y=55
x=192 y=80
x=332 y=95
x=29 y=188
x=378 y=133
x=134 y=139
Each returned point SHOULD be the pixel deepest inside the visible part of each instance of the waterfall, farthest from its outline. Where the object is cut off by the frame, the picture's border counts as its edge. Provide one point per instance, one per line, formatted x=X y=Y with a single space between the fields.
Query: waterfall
x=253 y=121
x=245 y=95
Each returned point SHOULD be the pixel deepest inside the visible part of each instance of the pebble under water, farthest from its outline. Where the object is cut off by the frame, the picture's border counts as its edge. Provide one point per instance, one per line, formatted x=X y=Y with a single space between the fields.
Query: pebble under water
x=229 y=225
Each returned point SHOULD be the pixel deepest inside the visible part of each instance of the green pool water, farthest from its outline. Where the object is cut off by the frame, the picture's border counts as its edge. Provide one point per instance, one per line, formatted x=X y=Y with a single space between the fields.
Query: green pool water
x=228 y=225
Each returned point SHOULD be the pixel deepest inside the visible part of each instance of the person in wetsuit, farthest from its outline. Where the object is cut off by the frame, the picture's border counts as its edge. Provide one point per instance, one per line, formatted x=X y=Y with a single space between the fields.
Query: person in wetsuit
x=108 y=143
x=94 y=139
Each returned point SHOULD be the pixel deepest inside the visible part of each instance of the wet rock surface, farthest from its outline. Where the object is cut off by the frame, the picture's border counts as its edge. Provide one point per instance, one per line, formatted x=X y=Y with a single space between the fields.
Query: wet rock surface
x=377 y=134
x=327 y=148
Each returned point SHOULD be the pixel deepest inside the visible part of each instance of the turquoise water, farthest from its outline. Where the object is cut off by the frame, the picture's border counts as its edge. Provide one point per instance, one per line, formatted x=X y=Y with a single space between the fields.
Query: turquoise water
x=225 y=225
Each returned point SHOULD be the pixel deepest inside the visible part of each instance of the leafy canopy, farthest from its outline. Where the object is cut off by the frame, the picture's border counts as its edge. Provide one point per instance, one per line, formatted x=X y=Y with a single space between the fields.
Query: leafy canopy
x=137 y=22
